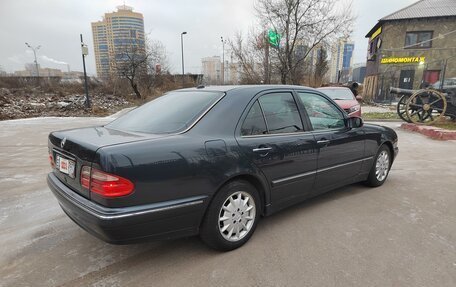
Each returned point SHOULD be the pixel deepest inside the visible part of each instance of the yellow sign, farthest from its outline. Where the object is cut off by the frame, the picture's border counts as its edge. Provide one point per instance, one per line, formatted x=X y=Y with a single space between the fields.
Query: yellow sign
x=376 y=33
x=402 y=60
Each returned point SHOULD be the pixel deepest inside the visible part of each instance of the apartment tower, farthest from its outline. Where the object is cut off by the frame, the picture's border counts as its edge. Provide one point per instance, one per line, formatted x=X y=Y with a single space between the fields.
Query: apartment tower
x=113 y=35
x=341 y=61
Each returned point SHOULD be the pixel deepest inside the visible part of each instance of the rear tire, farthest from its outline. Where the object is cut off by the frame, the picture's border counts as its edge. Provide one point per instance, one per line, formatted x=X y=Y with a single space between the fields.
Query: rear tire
x=231 y=217
x=380 y=168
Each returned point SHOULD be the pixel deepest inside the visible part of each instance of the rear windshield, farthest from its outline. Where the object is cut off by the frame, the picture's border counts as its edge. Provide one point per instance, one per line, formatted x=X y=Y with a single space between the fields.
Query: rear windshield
x=171 y=113
x=338 y=94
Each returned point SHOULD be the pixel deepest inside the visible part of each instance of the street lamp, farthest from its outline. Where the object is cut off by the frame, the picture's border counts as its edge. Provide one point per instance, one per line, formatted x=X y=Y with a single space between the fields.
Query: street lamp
x=223 y=60
x=182 y=49
x=34 y=49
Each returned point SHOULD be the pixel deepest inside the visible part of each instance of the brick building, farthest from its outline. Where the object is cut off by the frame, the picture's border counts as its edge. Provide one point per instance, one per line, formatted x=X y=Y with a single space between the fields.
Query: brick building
x=408 y=47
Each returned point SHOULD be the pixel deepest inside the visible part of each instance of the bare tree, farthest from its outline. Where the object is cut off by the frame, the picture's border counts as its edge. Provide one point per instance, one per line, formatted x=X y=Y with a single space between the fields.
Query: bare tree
x=141 y=66
x=157 y=63
x=249 y=55
x=321 y=67
x=131 y=64
x=302 y=25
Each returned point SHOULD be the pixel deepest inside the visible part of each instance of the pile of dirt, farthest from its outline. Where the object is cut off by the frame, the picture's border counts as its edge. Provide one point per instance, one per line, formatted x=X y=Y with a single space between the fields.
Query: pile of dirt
x=34 y=102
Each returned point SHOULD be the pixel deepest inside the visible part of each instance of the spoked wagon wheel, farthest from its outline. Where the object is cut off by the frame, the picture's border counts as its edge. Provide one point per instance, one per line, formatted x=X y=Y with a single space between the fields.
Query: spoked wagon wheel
x=426 y=106
x=401 y=108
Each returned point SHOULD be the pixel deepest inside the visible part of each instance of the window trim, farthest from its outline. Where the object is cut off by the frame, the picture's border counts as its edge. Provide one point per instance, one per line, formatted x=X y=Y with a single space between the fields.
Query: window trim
x=331 y=101
x=191 y=125
x=415 y=46
x=247 y=114
x=304 y=121
x=262 y=113
x=264 y=116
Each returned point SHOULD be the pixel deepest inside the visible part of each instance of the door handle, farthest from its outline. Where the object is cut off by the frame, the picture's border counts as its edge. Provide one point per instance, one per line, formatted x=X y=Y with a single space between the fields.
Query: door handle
x=262 y=149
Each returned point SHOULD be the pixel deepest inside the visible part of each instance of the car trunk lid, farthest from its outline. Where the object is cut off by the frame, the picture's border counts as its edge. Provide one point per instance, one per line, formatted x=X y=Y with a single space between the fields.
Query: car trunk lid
x=72 y=149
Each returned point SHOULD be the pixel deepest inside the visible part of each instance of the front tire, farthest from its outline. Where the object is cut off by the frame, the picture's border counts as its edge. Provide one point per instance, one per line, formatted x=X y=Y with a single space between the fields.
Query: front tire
x=232 y=216
x=380 y=168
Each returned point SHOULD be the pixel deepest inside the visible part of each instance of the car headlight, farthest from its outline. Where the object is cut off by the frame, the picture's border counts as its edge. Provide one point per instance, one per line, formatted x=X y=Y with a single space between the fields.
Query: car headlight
x=354 y=109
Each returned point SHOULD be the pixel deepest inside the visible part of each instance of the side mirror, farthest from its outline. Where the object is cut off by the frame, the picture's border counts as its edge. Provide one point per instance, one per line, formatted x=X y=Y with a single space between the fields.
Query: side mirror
x=355 y=122
x=359 y=98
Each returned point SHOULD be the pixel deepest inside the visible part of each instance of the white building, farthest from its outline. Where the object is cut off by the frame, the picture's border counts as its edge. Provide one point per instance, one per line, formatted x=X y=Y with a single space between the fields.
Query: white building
x=212 y=70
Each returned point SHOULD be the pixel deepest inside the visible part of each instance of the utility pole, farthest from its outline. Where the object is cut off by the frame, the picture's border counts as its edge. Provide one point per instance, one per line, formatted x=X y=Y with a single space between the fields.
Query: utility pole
x=445 y=63
x=34 y=49
x=223 y=60
x=182 y=50
x=85 y=52
x=266 y=58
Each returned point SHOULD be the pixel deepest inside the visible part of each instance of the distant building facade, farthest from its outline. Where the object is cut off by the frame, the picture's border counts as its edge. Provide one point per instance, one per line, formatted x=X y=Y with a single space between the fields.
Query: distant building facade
x=341 y=61
x=410 y=46
x=30 y=71
x=118 y=31
x=212 y=70
x=316 y=57
x=232 y=73
x=358 y=73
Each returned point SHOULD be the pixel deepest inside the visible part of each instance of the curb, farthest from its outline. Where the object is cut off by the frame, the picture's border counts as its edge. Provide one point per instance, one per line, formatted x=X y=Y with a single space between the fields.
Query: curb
x=382 y=120
x=429 y=131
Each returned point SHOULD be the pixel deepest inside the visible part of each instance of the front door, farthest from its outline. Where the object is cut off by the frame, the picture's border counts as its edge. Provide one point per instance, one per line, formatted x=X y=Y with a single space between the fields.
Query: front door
x=406 y=79
x=273 y=137
x=340 y=149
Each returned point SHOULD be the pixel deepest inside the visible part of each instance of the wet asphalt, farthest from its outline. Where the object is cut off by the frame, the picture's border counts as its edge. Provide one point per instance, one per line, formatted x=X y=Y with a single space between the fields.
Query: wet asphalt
x=400 y=234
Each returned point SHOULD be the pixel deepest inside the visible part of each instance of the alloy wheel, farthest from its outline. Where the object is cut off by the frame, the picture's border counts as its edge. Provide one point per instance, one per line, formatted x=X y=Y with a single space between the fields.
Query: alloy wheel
x=237 y=216
x=382 y=166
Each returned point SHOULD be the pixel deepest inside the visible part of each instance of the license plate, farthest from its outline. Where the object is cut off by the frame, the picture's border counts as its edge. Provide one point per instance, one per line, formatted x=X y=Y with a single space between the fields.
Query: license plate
x=65 y=166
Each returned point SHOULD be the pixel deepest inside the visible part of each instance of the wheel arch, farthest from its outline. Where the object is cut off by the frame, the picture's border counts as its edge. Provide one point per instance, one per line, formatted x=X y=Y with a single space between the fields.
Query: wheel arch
x=389 y=144
x=255 y=180
x=257 y=183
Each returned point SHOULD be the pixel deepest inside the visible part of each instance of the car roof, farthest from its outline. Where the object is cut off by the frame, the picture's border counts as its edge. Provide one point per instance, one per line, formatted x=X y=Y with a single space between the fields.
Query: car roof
x=333 y=88
x=244 y=87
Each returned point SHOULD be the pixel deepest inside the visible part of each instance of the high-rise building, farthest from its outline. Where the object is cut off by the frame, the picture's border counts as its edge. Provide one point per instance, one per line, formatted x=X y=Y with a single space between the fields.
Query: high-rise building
x=113 y=35
x=341 y=60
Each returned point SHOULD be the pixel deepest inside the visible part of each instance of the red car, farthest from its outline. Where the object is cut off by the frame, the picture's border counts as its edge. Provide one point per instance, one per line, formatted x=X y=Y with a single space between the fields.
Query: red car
x=344 y=98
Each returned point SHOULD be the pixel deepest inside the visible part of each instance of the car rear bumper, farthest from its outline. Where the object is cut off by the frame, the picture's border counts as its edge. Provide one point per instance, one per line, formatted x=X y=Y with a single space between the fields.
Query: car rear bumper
x=161 y=220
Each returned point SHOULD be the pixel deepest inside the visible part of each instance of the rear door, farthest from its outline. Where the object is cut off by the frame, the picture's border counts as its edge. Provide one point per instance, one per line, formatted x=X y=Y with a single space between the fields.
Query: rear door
x=273 y=137
x=340 y=149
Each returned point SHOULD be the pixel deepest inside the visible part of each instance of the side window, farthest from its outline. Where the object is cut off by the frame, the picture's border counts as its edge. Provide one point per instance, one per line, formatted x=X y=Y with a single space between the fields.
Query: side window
x=281 y=113
x=322 y=113
x=254 y=122
x=418 y=39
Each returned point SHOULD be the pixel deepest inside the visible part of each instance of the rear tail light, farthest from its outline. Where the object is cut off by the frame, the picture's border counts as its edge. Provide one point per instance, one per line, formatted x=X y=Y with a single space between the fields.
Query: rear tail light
x=105 y=184
x=85 y=177
x=51 y=160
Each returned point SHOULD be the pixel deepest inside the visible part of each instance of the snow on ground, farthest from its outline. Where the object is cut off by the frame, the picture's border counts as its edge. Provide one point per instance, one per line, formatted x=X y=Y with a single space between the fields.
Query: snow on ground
x=44 y=120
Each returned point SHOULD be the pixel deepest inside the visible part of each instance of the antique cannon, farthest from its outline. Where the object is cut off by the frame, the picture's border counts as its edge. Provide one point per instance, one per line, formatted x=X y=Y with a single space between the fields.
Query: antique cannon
x=425 y=105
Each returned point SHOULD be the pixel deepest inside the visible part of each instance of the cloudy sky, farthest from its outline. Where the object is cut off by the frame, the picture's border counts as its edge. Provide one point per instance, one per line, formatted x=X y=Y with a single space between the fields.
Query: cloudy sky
x=56 y=25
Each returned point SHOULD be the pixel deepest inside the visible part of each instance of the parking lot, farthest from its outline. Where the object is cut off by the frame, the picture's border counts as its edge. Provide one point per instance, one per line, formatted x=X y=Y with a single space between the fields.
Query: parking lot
x=400 y=234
